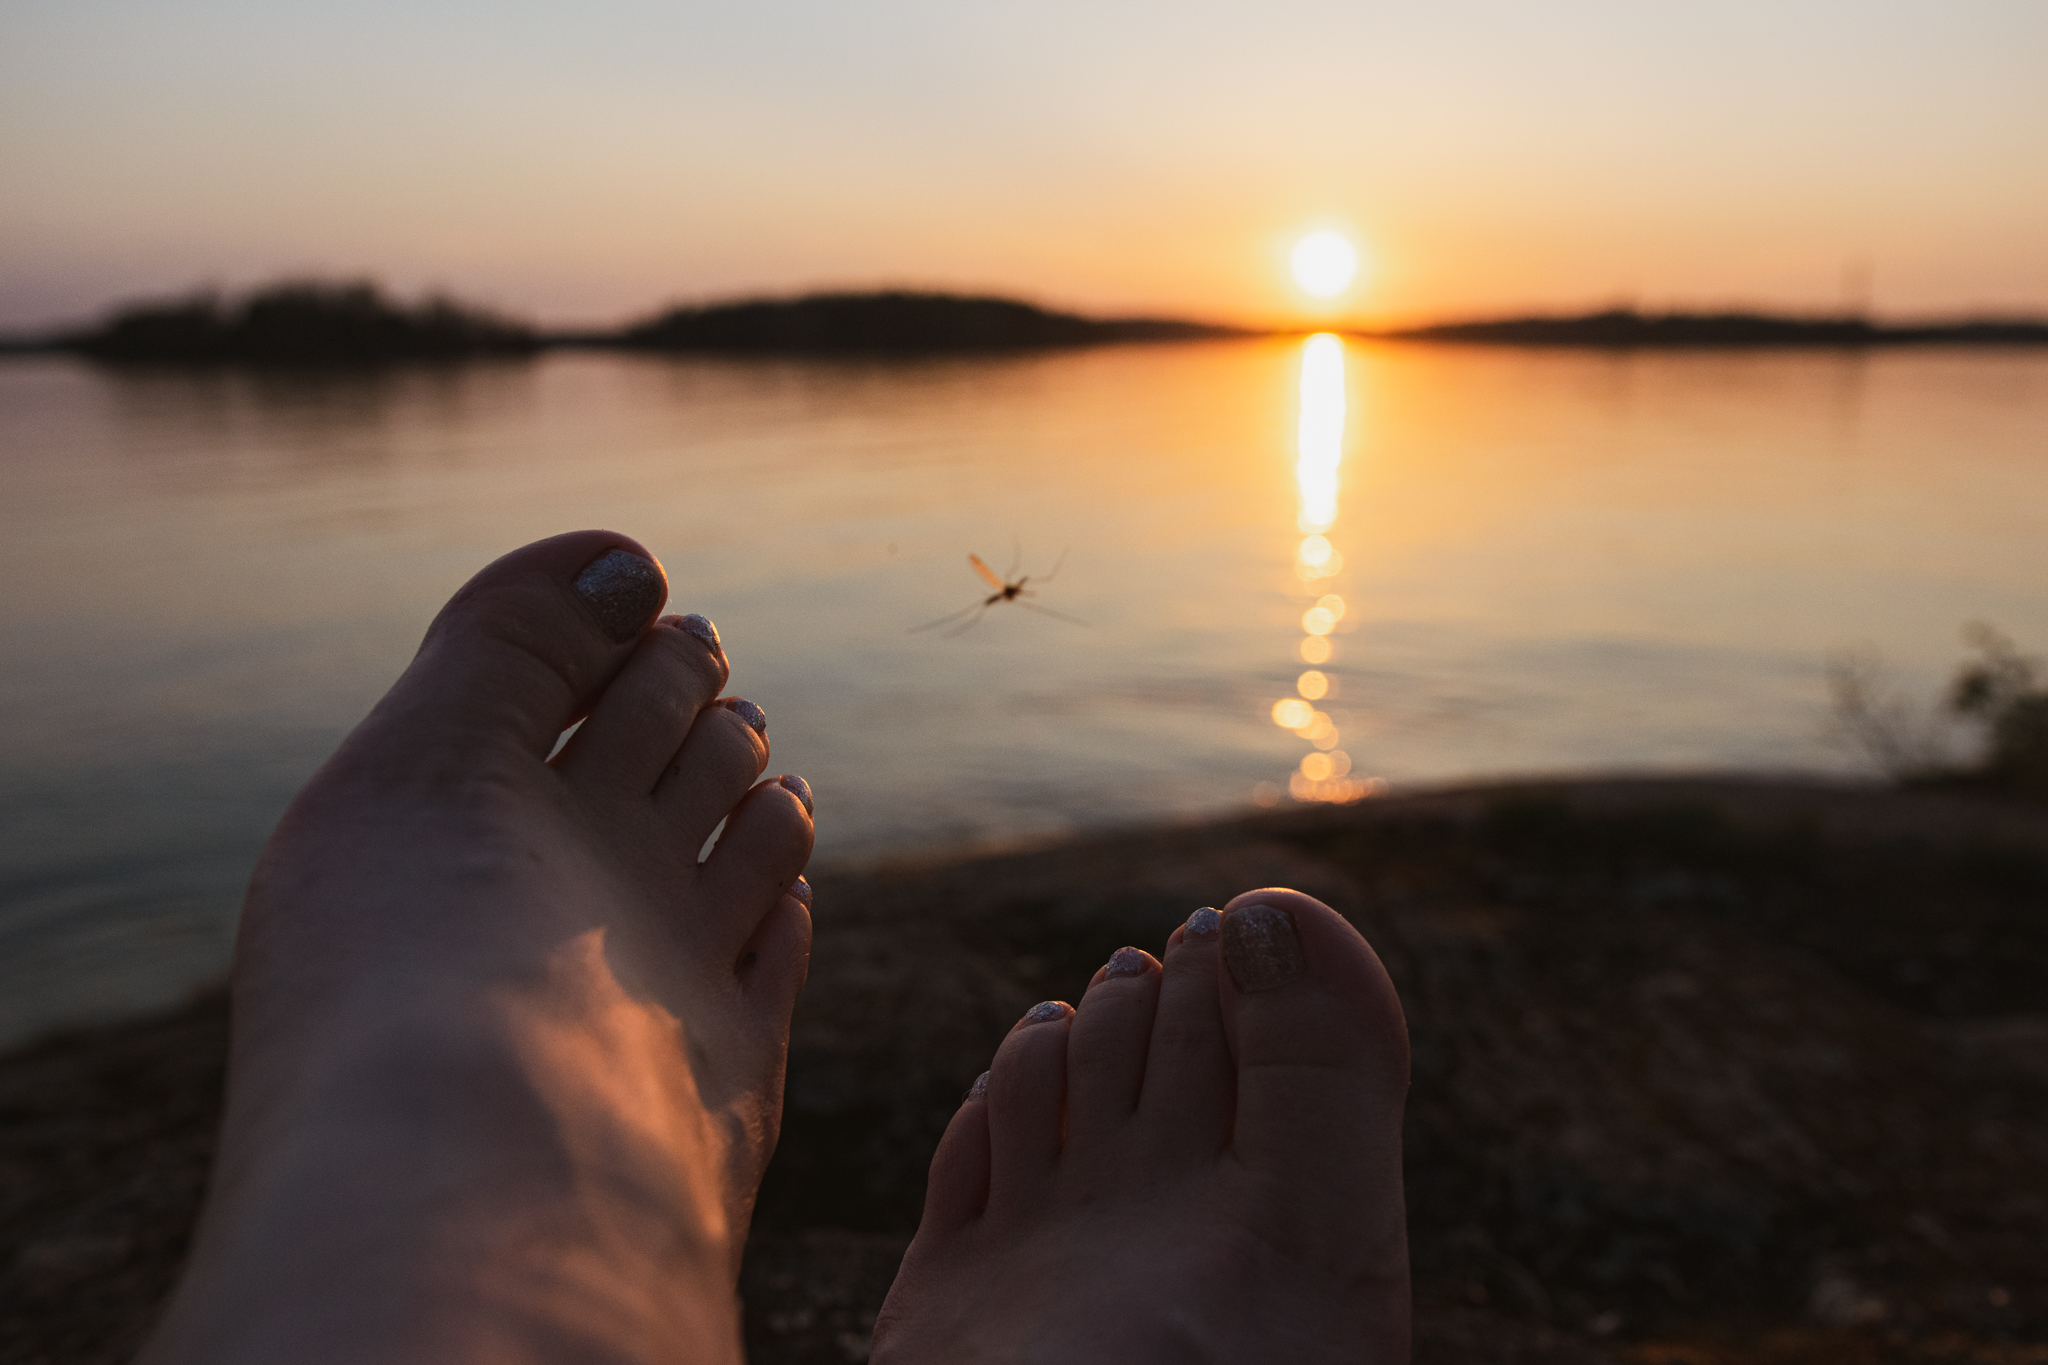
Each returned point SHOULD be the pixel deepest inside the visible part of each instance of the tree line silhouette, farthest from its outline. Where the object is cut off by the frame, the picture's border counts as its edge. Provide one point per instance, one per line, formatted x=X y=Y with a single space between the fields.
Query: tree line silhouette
x=316 y=322
x=304 y=322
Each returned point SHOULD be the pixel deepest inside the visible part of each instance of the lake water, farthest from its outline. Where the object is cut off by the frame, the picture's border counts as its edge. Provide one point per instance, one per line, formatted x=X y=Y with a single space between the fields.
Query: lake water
x=1529 y=562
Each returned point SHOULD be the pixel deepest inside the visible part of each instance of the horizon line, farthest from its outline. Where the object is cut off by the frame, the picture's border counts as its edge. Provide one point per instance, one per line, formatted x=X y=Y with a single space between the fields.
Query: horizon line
x=1465 y=325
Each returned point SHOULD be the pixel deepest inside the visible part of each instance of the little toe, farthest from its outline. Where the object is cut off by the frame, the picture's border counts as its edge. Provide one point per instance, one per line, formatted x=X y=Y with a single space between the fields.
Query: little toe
x=725 y=750
x=1027 y=1085
x=957 y=1190
x=524 y=646
x=634 y=730
x=776 y=958
x=1322 y=1059
x=759 y=858
x=1189 y=1075
x=1106 y=1048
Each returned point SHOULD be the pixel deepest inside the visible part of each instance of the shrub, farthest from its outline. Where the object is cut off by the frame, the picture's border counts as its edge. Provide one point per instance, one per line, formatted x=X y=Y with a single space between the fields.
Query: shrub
x=2001 y=690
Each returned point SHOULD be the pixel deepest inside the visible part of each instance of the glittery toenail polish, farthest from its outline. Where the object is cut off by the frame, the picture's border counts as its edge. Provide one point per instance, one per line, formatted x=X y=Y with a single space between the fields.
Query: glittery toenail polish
x=1046 y=1011
x=801 y=890
x=979 y=1090
x=748 y=712
x=1203 y=923
x=701 y=627
x=1127 y=962
x=801 y=788
x=1261 y=947
x=622 y=590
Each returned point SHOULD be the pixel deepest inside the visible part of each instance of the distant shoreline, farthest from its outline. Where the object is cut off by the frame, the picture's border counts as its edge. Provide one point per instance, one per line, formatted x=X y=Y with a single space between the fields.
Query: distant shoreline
x=318 y=324
x=1628 y=330
x=322 y=324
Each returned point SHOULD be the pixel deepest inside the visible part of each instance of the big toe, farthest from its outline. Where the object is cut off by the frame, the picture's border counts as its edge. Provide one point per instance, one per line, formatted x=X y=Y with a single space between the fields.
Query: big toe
x=1322 y=1068
x=521 y=651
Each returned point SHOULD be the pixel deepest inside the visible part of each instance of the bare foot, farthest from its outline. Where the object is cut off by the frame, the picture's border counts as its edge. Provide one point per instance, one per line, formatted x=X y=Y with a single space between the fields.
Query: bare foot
x=507 y=1059
x=1202 y=1163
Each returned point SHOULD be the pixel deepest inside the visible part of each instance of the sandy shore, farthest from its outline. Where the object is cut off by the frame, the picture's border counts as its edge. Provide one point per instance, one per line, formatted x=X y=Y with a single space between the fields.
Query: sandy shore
x=1706 y=1070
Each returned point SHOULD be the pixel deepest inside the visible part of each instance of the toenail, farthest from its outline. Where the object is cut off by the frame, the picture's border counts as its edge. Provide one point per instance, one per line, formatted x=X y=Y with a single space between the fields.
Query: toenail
x=1204 y=923
x=977 y=1091
x=802 y=790
x=1045 y=1011
x=1127 y=962
x=1261 y=947
x=748 y=712
x=801 y=890
x=622 y=590
x=701 y=627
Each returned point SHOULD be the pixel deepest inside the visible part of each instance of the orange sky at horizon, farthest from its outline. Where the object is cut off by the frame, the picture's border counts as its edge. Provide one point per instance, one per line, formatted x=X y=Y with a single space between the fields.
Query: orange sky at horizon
x=1122 y=156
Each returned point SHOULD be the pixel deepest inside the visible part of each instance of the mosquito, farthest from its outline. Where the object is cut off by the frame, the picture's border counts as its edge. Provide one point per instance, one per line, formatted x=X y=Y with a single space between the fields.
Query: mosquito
x=1012 y=590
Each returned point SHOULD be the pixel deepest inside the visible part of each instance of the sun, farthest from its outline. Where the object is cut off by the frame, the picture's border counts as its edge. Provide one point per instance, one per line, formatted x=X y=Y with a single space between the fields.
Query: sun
x=1325 y=263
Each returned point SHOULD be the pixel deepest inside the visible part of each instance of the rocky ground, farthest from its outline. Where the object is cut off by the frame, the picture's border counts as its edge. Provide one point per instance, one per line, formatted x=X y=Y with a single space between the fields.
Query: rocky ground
x=1705 y=1071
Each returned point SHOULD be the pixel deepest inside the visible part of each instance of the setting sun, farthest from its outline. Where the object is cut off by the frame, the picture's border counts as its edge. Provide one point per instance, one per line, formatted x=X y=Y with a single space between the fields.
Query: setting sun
x=1325 y=263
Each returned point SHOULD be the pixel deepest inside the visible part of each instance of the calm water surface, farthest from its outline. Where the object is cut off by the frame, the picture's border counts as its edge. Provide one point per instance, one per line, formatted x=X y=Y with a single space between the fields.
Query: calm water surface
x=1526 y=562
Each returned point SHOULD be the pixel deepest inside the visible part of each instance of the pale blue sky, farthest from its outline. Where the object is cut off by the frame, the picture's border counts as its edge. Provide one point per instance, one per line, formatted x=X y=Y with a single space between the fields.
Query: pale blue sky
x=585 y=162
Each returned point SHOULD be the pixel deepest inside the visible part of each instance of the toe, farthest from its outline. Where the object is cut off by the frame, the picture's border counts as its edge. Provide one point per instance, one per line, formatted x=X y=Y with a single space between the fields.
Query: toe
x=634 y=730
x=1189 y=1076
x=524 y=647
x=1106 y=1049
x=1322 y=1057
x=957 y=1190
x=726 y=749
x=1027 y=1085
x=776 y=959
x=759 y=857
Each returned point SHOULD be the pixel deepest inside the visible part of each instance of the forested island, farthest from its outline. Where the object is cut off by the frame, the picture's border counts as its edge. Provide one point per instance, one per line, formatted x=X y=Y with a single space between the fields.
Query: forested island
x=301 y=323
x=899 y=321
x=314 y=323
x=351 y=323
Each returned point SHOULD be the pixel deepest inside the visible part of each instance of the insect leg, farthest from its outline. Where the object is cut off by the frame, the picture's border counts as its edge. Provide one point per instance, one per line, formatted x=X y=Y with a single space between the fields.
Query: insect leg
x=969 y=622
x=1055 y=615
x=977 y=608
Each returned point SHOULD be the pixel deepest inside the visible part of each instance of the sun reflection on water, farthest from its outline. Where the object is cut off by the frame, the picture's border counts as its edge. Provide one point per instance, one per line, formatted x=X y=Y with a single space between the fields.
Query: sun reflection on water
x=1319 y=439
x=1324 y=773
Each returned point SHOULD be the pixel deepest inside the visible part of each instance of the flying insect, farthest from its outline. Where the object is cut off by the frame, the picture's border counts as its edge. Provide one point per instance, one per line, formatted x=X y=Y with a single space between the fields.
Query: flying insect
x=1007 y=589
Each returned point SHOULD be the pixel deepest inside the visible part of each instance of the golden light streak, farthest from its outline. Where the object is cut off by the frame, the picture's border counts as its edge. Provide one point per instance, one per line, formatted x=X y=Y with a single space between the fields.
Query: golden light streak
x=1324 y=774
x=1319 y=436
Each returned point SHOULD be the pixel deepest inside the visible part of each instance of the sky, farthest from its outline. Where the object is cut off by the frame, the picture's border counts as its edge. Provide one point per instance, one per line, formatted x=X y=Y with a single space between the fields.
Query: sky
x=588 y=163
